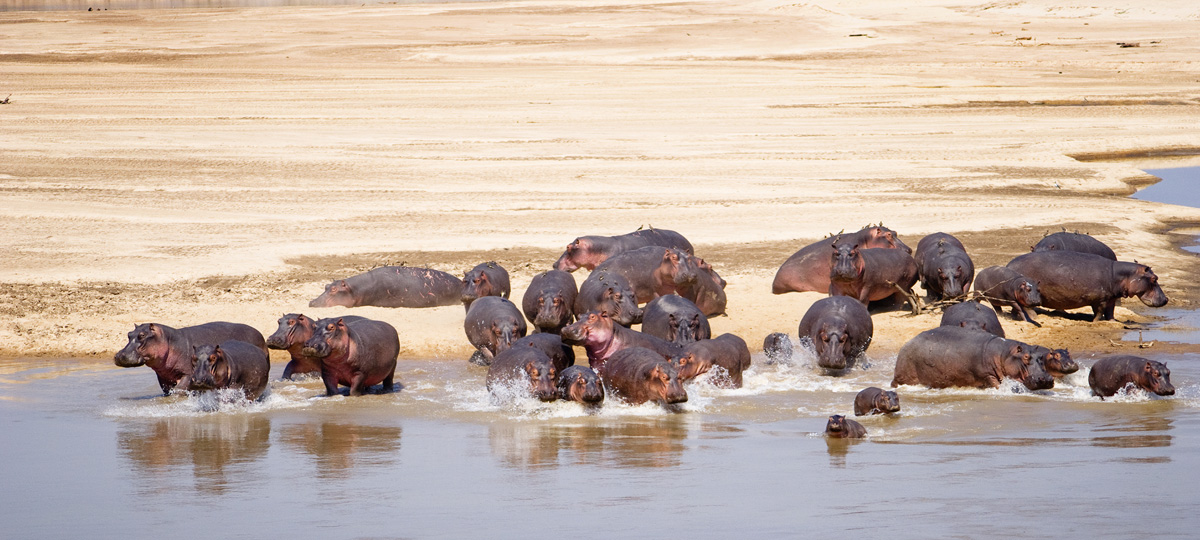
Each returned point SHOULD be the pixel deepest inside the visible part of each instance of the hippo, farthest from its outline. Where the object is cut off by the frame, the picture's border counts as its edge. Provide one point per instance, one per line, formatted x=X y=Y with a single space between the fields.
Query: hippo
x=707 y=291
x=637 y=375
x=840 y=427
x=808 y=269
x=590 y=251
x=393 y=286
x=726 y=350
x=356 y=353
x=652 y=271
x=949 y=356
x=876 y=401
x=943 y=266
x=581 y=385
x=294 y=330
x=611 y=294
x=840 y=330
x=1069 y=280
x=871 y=274
x=549 y=301
x=168 y=351
x=525 y=368
x=1110 y=374
x=232 y=364
x=1003 y=286
x=1057 y=362
x=561 y=354
x=602 y=338
x=1077 y=242
x=675 y=319
x=486 y=279
x=777 y=347
x=492 y=324
x=972 y=314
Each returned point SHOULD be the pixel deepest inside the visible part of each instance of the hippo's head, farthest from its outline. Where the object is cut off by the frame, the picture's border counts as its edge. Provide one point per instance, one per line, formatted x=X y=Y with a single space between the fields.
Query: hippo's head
x=542 y=378
x=210 y=368
x=506 y=330
x=683 y=330
x=778 y=348
x=329 y=335
x=594 y=328
x=579 y=254
x=882 y=237
x=1019 y=364
x=954 y=279
x=1057 y=362
x=887 y=402
x=690 y=366
x=830 y=344
x=836 y=425
x=845 y=262
x=678 y=264
x=337 y=293
x=664 y=381
x=1156 y=378
x=475 y=284
x=621 y=304
x=145 y=343
x=552 y=311
x=580 y=384
x=1143 y=283
x=1026 y=293
x=294 y=329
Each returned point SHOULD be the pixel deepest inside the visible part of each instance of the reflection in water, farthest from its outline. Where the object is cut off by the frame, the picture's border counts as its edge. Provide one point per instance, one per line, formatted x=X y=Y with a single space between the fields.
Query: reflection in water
x=629 y=444
x=338 y=447
x=838 y=450
x=1150 y=430
x=218 y=448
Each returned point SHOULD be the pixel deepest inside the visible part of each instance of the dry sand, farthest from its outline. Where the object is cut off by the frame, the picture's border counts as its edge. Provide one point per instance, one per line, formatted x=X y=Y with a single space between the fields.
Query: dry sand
x=182 y=166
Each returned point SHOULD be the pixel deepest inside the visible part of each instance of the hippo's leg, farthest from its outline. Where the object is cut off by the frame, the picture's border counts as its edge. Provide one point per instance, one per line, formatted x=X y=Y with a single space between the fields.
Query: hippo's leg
x=1022 y=313
x=331 y=383
x=184 y=383
x=480 y=359
x=165 y=384
x=356 y=383
x=288 y=369
x=1109 y=313
x=388 y=382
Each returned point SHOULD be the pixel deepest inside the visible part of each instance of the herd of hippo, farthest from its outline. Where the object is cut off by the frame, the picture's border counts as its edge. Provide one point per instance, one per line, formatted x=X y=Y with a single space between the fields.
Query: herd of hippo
x=652 y=277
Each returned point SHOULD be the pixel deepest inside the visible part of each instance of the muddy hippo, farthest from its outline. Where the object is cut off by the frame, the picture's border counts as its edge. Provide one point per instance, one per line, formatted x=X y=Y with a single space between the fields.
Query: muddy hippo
x=840 y=330
x=549 y=301
x=876 y=401
x=707 y=291
x=356 y=353
x=1069 y=280
x=602 y=338
x=393 y=286
x=168 y=351
x=1003 y=286
x=943 y=266
x=637 y=375
x=844 y=428
x=1057 y=362
x=726 y=350
x=611 y=294
x=492 y=324
x=1077 y=242
x=675 y=319
x=486 y=279
x=590 y=251
x=777 y=347
x=652 y=271
x=581 y=385
x=561 y=354
x=871 y=274
x=949 y=356
x=808 y=269
x=523 y=368
x=294 y=331
x=232 y=364
x=972 y=314
x=1110 y=374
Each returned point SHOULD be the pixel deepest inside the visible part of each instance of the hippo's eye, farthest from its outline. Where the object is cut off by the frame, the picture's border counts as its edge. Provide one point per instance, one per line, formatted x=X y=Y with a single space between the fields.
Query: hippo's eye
x=329 y=328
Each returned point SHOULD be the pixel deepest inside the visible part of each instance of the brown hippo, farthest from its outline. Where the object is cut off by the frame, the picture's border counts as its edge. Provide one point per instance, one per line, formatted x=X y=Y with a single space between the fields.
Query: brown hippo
x=580 y=384
x=1057 y=362
x=486 y=279
x=1003 y=286
x=355 y=353
x=808 y=269
x=839 y=329
x=168 y=351
x=637 y=375
x=232 y=364
x=868 y=275
x=777 y=347
x=943 y=266
x=1077 y=242
x=590 y=251
x=1069 y=280
x=675 y=319
x=949 y=356
x=707 y=291
x=841 y=427
x=492 y=324
x=611 y=294
x=602 y=338
x=549 y=301
x=652 y=271
x=294 y=331
x=972 y=314
x=726 y=350
x=393 y=286
x=1110 y=374
x=876 y=401
x=561 y=354
x=523 y=368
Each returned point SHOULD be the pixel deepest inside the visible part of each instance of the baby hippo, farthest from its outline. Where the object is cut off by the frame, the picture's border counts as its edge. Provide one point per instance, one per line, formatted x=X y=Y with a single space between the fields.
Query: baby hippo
x=232 y=364
x=1109 y=375
x=1058 y=362
x=580 y=384
x=840 y=427
x=777 y=347
x=876 y=401
x=727 y=351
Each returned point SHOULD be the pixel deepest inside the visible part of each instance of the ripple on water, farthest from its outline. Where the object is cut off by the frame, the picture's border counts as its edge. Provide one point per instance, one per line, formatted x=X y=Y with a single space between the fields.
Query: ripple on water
x=223 y=401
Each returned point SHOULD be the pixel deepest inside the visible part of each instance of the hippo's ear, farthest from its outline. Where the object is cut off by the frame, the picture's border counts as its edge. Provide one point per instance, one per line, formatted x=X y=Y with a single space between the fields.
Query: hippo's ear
x=341 y=323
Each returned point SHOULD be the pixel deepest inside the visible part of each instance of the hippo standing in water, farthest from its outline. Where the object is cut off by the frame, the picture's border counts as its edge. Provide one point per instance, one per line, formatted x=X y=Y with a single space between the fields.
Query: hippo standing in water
x=356 y=353
x=876 y=401
x=294 y=331
x=492 y=325
x=777 y=347
x=523 y=368
x=168 y=351
x=840 y=330
x=590 y=251
x=1003 y=286
x=1077 y=242
x=1057 y=362
x=1069 y=280
x=652 y=271
x=637 y=375
x=1109 y=375
x=944 y=268
x=675 y=319
x=868 y=275
x=840 y=427
x=393 y=286
x=232 y=364
x=707 y=291
x=726 y=351
x=580 y=384
x=611 y=294
x=972 y=314
x=602 y=338
x=549 y=301
x=486 y=279
x=949 y=356
x=808 y=269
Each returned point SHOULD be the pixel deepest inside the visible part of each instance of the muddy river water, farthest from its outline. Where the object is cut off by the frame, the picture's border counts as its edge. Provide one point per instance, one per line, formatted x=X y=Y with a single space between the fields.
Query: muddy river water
x=91 y=450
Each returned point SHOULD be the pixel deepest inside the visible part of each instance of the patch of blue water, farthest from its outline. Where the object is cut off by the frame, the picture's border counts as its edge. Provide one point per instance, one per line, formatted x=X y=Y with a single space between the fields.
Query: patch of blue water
x=1179 y=186
x=1178 y=326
